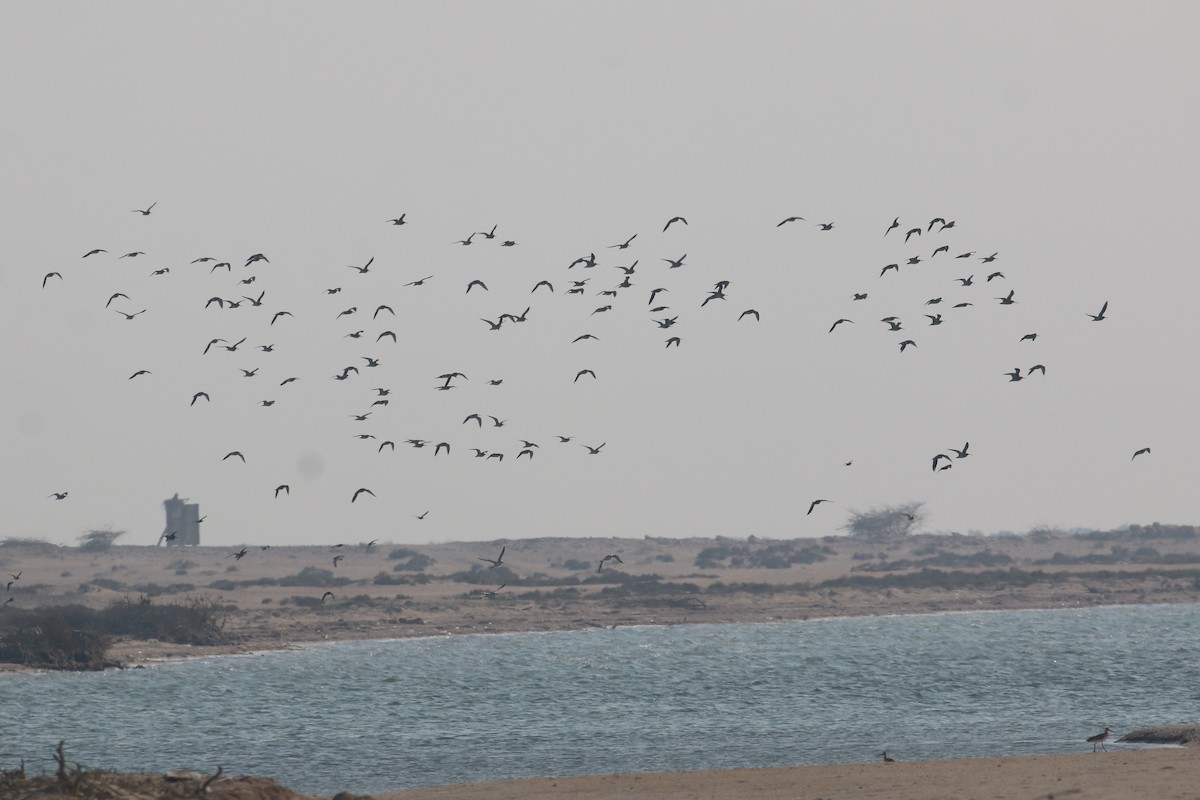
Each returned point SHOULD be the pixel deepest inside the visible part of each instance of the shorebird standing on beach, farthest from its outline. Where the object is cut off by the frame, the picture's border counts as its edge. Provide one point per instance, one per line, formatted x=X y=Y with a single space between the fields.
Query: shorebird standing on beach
x=1099 y=739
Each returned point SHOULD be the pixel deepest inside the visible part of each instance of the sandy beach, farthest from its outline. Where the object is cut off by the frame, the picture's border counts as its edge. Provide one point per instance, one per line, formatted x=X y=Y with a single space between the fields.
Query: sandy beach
x=1159 y=773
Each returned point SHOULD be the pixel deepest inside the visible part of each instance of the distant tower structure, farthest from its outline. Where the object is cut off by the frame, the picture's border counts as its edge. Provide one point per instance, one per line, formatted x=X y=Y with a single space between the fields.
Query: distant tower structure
x=183 y=518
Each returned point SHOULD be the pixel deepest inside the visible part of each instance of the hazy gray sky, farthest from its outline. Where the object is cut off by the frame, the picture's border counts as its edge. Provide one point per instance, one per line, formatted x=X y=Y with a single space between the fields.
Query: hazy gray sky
x=1061 y=136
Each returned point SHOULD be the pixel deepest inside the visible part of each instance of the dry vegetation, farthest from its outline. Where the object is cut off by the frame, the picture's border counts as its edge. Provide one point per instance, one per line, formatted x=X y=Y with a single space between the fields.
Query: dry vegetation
x=131 y=604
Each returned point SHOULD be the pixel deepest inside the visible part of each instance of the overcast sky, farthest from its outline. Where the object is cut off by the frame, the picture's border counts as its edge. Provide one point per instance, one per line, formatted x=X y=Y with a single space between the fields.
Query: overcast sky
x=1061 y=137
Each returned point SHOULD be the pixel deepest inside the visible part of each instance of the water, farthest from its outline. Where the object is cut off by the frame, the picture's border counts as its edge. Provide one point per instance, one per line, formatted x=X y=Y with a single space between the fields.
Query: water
x=371 y=716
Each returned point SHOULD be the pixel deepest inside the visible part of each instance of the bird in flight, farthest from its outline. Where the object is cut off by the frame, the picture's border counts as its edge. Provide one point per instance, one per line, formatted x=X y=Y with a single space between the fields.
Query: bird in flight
x=145 y=212
x=674 y=263
x=50 y=275
x=1007 y=300
x=399 y=220
x=839 y=322
x=825 y=226
x=961 y=453
x=1145 y=450
x=594 y=450
x=751 y=312
x=56 y=496
x=197 y=396
x=672 y=221
x=1036 y=368
x=283 y=487
x=790 y=219
x=938 y=458
x=581 y=373
x=624 y=244
x=363 y=269
x=478 y=283
x=911 y=231
x=1015 y=375
x=420 y=282
x=361 y=491
x=814 y=504
x=1100 y=316
x=233 y=453
x=140 y=372
x=93 y=252
x=495 y=562
x=328 y=595
x=336 y=559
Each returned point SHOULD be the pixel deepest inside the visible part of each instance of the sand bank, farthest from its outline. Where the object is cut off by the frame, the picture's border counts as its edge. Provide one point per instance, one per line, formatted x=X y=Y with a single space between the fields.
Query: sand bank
x=1115 y=775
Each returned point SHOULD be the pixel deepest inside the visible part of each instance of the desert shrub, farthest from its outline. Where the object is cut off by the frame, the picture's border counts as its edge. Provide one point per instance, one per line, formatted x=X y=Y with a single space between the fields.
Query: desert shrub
x=108 y=583
x=98 y=541
x=28 y=544
x=198 y=621
x=77 y=638
x=664 y=558
x=313 y=576
x=886 y=522
x=415 y=563
x=153 y=589
x=773 y=555
x=420 y=578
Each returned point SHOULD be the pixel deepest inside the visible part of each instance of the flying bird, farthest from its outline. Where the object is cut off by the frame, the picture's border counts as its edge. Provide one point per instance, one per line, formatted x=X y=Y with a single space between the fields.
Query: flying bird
x=140 y=372
x=56 y=496
x=283 y=487
x=145 y=212
x=938 y=458
x=814 y=504
x=961 y=453
x=624 y=244
x=581 y=373
x=363 y=269
x=672 y=221
x=233 y=453
x=751 y=312
x=197 y=396
x=478 y=283
x=1100 y=316
x=495 y=562
x=790 y=219
x=1145 y=450
x=93 y=252
x=839 y=322
x=593 y=450
x=50 y=275
x=361 y=491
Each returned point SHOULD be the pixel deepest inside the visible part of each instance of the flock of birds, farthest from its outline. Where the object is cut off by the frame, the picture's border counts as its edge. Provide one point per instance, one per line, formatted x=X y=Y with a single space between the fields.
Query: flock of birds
x=368 y=321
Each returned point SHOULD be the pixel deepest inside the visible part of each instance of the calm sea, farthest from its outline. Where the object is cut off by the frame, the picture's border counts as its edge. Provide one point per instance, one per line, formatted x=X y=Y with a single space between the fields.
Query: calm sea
x=370 y=716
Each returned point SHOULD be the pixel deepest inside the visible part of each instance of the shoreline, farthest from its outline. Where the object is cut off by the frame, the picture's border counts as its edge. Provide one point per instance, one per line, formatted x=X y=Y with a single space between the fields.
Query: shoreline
x=149 y=653
x=284 y=597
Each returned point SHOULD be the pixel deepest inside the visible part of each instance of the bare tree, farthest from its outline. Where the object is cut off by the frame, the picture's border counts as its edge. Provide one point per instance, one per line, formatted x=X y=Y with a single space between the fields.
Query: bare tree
x=885 y=522
x=97 y=541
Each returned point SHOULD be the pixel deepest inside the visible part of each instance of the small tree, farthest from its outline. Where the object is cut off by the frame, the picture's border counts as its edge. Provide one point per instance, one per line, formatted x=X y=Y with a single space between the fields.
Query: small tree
x=97 y=541
x=885 y=522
